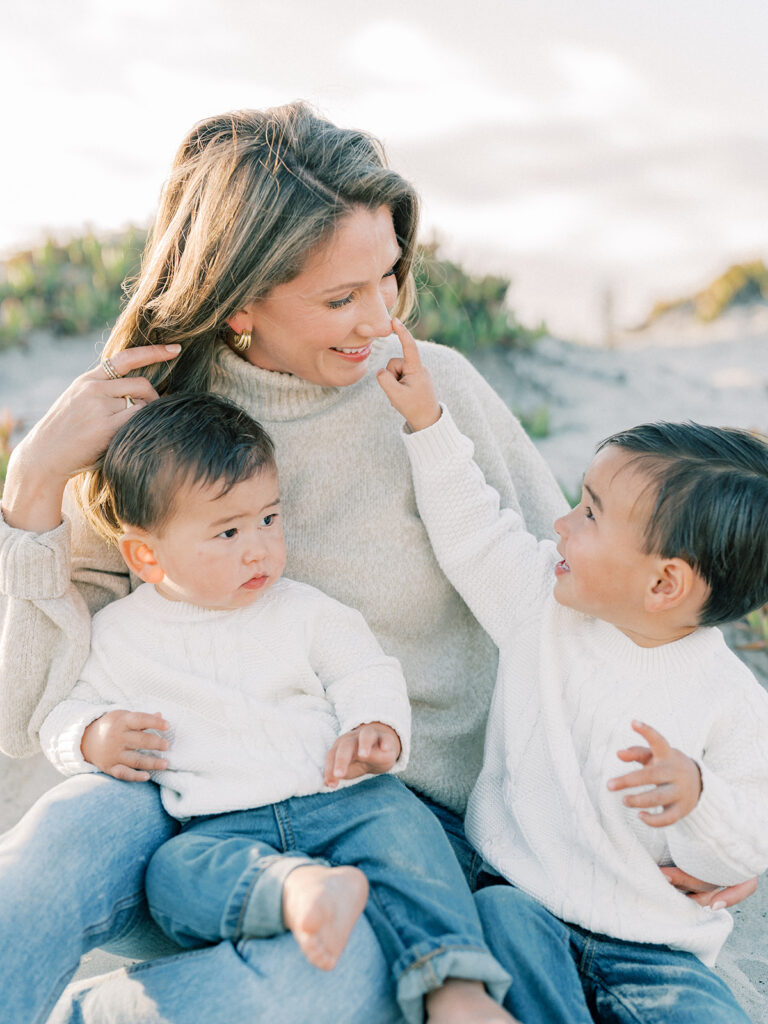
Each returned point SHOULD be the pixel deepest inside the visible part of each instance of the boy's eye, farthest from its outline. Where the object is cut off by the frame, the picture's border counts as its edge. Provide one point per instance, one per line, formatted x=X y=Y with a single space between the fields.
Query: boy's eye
x=268 y=520
x=228 y=534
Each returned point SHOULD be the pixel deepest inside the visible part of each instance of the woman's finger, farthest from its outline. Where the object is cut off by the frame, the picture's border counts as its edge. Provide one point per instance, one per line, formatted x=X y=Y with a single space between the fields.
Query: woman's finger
x=133 y=358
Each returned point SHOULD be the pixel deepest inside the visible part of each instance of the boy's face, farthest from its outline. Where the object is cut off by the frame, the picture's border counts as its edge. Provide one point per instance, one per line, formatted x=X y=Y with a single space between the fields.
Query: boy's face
x=222 y=551
x=604 y=571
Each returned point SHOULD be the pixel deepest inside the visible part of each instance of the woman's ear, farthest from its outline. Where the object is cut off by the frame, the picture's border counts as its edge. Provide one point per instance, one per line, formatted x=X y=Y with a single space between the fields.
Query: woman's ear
x=240 y=321
x=673 y=582
x=138 y=551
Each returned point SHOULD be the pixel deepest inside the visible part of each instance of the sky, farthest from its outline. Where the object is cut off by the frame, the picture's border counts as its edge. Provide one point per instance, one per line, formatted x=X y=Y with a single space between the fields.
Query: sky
x=584 y=149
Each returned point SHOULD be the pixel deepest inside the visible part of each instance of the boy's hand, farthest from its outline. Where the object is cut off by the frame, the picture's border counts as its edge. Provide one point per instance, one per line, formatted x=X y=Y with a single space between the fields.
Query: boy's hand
x=370 y=749
x=675 y=777
x=407 y=384
x=113 y=742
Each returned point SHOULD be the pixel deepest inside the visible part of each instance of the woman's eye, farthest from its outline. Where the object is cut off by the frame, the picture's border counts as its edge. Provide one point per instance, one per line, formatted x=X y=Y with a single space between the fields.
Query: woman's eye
x=588 y=512
x=390 y=273
x=338 y=303
x=228 y=534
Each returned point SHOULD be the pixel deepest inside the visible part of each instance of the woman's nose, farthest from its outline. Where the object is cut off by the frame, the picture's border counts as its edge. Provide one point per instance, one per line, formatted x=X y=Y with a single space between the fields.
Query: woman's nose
x=376 y=320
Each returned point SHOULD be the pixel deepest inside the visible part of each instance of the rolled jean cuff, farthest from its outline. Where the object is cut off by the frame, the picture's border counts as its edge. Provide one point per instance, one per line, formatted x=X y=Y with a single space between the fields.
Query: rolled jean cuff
x=263 y=912
x=434 y=967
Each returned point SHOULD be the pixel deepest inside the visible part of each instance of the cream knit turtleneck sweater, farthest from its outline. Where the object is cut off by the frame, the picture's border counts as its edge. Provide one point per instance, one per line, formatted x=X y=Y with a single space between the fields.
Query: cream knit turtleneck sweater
x=352 y=530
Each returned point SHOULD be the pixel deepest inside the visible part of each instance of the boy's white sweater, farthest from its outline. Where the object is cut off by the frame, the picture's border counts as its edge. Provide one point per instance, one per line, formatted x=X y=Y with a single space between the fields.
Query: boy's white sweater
x=255 y=697
x=567 y=691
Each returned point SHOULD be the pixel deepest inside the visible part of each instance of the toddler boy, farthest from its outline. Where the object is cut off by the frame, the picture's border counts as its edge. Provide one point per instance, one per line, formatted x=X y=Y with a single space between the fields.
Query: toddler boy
x=609 y=630
x=269 y=695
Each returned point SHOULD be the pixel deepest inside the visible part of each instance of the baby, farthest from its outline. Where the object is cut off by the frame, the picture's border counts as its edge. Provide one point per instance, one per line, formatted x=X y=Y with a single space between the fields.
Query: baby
x=603 y=638
x=277 y=718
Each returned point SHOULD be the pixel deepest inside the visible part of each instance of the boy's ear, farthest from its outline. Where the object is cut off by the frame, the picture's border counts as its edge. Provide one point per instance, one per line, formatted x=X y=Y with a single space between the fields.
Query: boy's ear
x=673 y=582
x=137 y=549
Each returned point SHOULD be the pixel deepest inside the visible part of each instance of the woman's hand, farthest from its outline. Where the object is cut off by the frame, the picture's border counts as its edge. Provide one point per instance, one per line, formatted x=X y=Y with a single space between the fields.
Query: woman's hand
x=708 y=895
x=407 y=383
x=370 y=749
x=114 y=741
x=675 y=778
x=73 y=434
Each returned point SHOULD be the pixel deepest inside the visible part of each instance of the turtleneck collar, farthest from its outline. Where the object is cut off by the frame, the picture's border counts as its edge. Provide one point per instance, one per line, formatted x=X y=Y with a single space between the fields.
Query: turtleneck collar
x=273 y=395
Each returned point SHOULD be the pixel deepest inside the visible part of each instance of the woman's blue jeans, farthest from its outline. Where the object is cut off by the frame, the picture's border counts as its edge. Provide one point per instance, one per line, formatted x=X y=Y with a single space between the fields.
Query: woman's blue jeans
x=563 y=974
x=72 y=878
x=223 y=876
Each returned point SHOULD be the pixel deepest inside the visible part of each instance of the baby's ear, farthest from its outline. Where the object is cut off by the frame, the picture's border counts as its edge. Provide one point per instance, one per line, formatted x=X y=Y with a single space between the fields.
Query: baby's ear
x=138 y=550
x=673 y=583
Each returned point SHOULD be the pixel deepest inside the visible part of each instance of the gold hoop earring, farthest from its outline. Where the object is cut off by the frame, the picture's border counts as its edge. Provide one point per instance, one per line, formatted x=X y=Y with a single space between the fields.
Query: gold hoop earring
x=242 y=341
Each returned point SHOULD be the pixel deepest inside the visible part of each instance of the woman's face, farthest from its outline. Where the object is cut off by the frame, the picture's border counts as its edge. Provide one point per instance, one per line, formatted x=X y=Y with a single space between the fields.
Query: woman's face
x=320 y=325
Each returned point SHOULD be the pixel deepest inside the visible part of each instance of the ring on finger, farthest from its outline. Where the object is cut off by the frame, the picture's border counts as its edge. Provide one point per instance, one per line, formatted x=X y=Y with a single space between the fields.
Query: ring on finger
x=109 y=368
x=128 y=401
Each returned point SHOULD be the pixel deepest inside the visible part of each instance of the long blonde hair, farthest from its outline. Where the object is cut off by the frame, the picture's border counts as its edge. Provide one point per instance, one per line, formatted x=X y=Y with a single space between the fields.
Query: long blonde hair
x=250 y=195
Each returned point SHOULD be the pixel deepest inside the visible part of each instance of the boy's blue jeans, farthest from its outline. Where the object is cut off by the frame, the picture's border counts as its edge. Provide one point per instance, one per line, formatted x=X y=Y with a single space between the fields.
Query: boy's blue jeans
x=222 y=878
x=563 y=974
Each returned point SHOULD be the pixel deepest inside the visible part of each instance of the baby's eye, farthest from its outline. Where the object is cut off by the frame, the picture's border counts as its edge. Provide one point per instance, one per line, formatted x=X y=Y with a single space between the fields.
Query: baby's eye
x=268 y=520
x=228 y=534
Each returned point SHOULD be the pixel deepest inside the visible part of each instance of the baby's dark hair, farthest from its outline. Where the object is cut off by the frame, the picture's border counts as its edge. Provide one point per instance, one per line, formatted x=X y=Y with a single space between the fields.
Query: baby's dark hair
x=181 y=439
x=711 y=508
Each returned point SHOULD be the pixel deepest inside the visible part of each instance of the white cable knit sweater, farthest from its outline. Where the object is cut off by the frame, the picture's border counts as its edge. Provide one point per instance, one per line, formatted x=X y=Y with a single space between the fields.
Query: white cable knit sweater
x=352 y=530
x=255 y=697
x=567 y=690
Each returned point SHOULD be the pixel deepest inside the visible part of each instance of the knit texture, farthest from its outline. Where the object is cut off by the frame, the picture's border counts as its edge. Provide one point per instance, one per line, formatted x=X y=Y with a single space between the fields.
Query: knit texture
x=568 y=689
x=352 y=530
x=254 y=697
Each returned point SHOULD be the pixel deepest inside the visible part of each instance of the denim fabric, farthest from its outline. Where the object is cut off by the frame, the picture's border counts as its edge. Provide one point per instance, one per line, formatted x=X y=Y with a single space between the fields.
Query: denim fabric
x=562 y=974
x=72 y=878
x=221 y=872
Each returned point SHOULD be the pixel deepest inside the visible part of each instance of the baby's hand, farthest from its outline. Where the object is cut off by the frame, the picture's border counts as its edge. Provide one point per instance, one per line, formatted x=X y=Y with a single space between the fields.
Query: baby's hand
x=370 y=749
x=113 y=743
x=407 y=384
x=675 y=777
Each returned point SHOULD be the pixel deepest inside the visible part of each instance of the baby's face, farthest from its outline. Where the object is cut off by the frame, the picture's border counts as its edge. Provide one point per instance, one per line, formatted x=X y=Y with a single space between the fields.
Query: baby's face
x=223 y=551
x=604 y=571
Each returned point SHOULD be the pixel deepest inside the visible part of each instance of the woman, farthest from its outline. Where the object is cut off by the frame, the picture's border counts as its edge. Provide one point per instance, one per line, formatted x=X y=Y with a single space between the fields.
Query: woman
x=281 y=249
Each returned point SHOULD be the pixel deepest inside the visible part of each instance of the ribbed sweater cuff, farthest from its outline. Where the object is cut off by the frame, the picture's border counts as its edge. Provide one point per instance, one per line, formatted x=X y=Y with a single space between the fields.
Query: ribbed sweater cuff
x=34 y=566
x=443 y=441
x=61 y=736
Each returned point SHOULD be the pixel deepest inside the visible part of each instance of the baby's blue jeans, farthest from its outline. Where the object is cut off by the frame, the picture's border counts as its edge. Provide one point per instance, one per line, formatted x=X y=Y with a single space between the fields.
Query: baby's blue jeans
x=222 y=878
x=564 y=974
x=72 y=878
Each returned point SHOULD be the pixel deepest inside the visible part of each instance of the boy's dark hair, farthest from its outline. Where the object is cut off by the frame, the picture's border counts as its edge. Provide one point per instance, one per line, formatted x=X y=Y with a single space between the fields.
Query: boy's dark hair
x=175 y=440
x=711 y=508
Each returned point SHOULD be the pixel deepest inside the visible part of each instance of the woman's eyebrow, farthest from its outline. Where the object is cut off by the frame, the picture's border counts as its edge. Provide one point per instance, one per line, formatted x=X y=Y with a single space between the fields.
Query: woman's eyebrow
x=351 y=285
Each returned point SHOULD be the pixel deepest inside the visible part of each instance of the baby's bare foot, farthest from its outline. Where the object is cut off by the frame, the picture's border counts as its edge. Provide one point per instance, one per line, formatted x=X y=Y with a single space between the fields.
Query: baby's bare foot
x=465 y=1002
x=320 y=907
